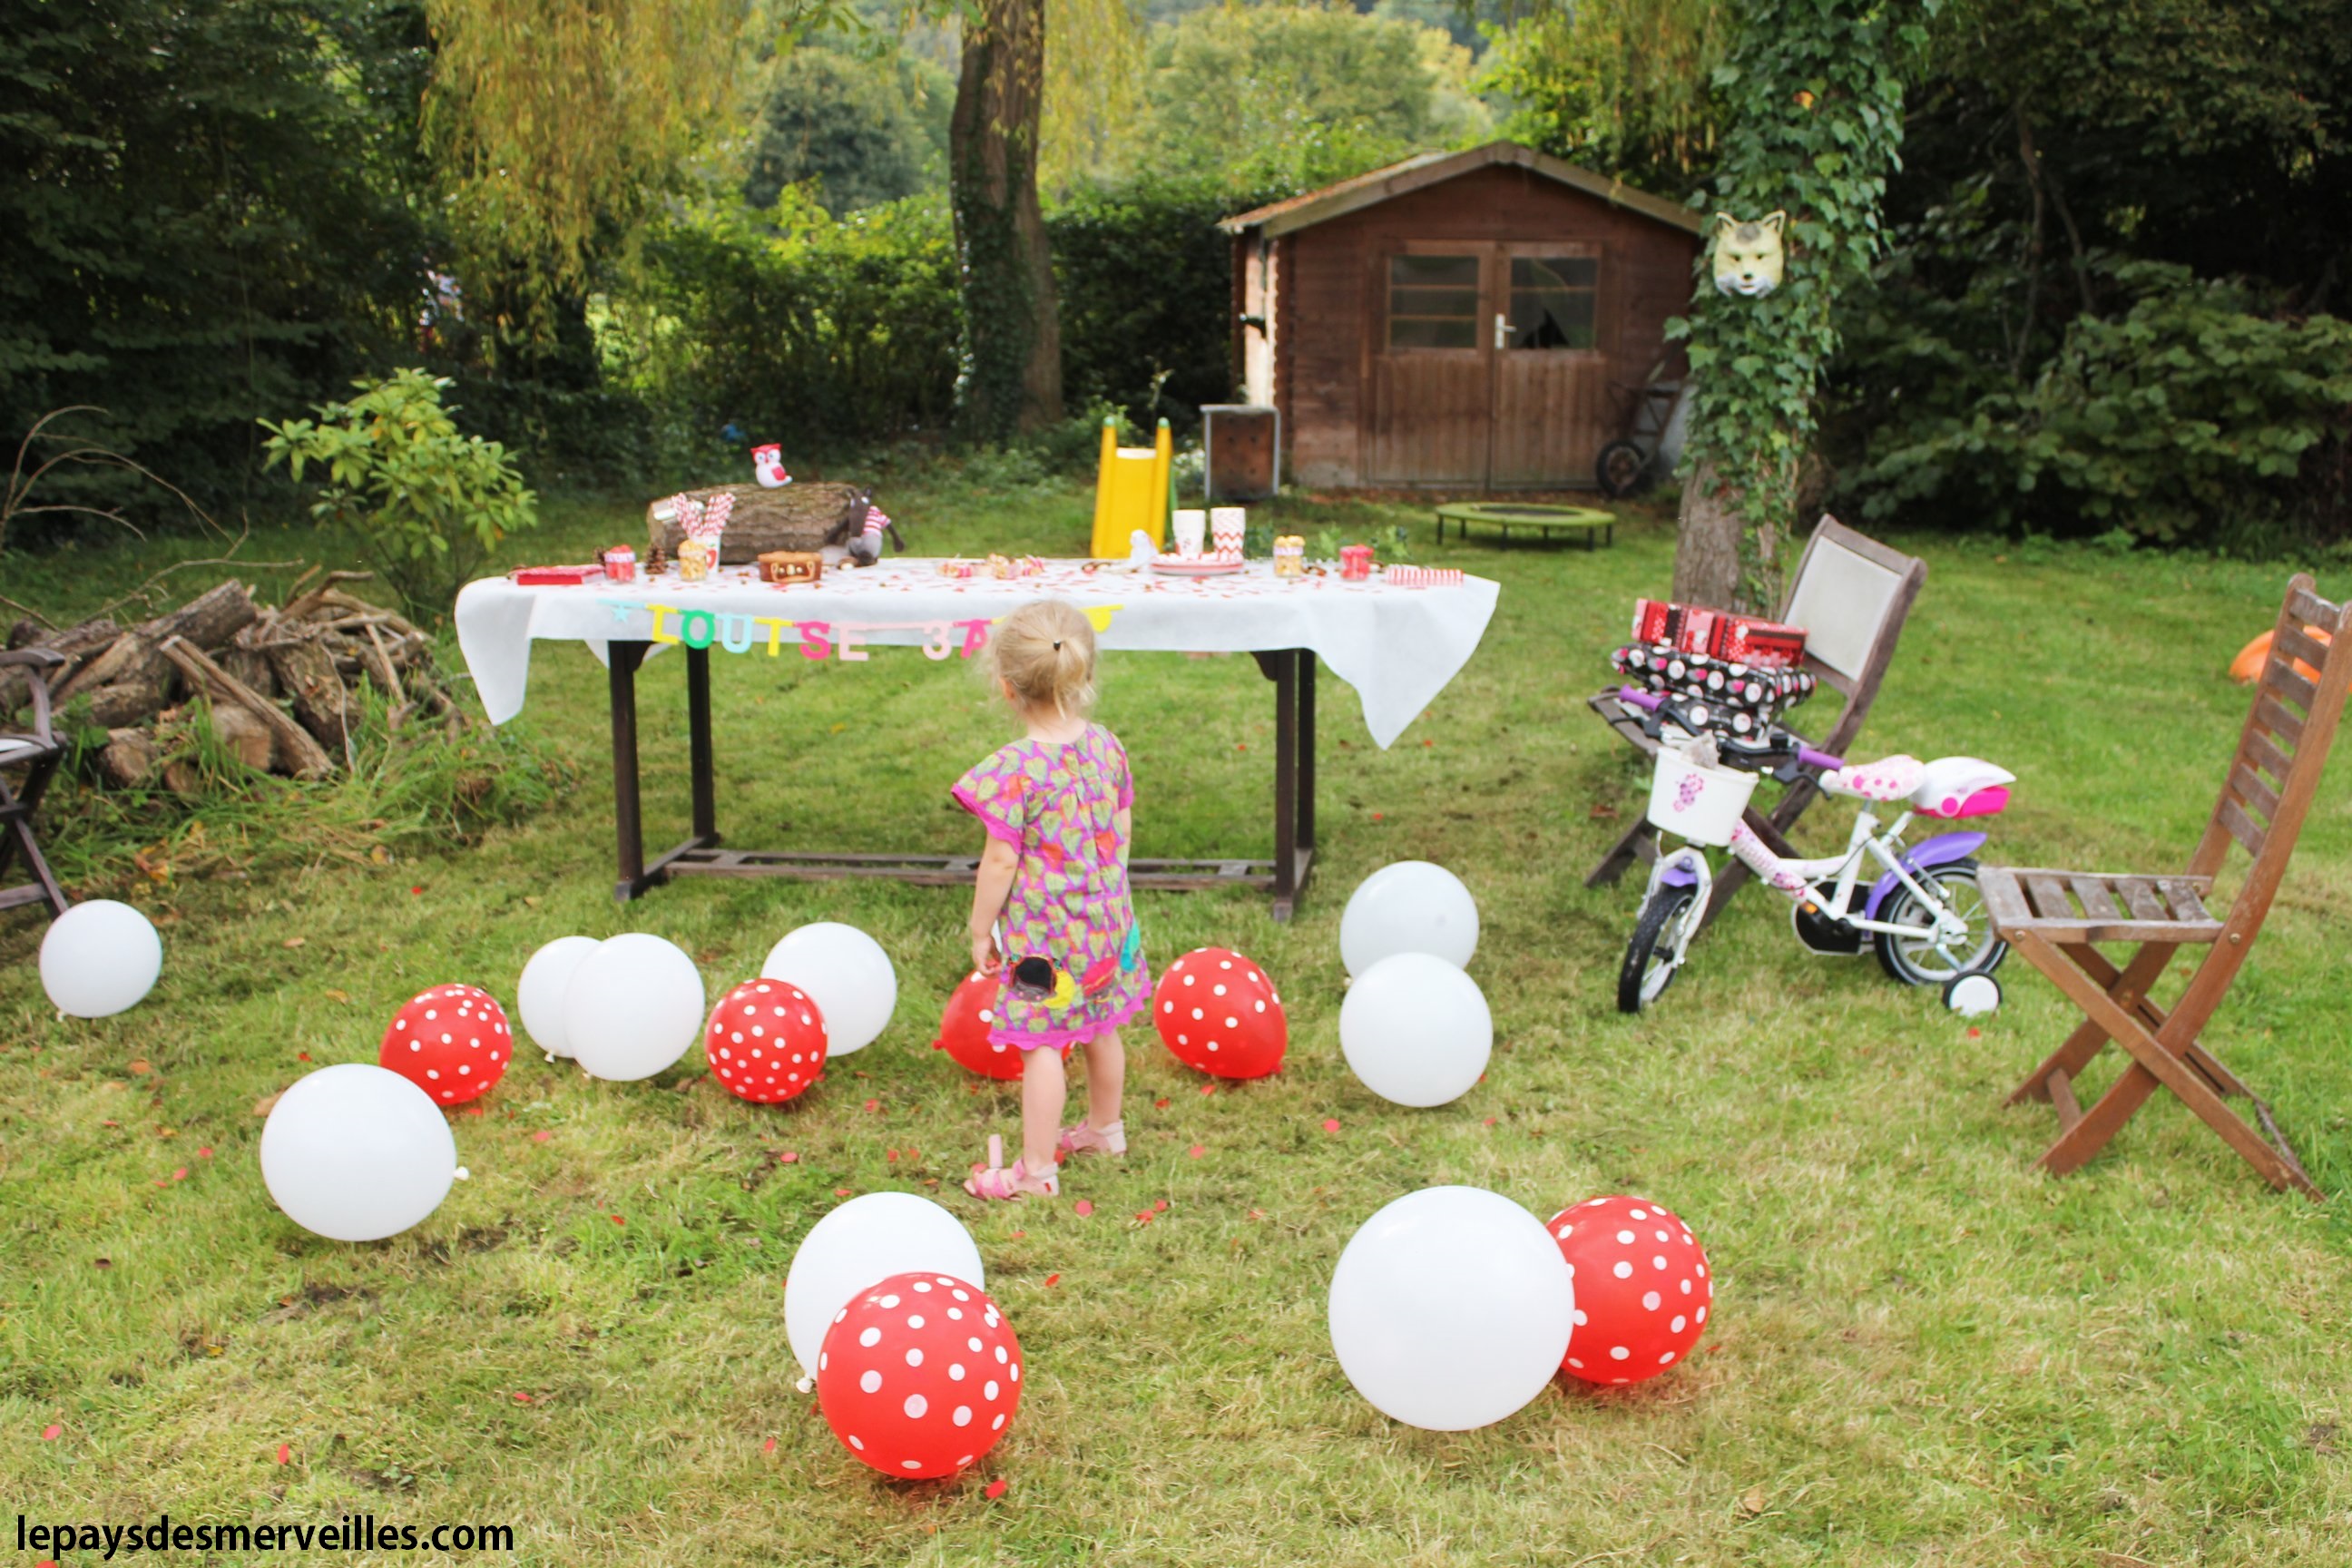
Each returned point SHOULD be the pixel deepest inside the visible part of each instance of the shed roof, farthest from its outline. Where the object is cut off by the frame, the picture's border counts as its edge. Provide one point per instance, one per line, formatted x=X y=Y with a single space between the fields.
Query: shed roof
x=1434 y=168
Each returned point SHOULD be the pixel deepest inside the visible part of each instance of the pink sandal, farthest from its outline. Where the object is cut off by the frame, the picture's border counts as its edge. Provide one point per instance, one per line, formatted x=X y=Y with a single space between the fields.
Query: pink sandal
x=1085 y=1140
x=998 y=1183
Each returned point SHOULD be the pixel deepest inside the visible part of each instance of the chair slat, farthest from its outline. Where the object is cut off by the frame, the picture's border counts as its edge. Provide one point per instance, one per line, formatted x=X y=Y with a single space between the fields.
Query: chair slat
x=2142 y=898
x=2280 y=677
x=2264 y=753
x=2250 y=789
x=2182 y=896
x=2274 y=715
x=2049 y=895
x=1997 y=885
x=2306 y=605
x=2241 y=827
x=2293 y=642
x=2093 y=891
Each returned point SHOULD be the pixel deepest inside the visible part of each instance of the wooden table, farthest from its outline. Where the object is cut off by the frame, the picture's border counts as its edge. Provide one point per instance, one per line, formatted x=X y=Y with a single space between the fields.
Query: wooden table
x=1597 y=526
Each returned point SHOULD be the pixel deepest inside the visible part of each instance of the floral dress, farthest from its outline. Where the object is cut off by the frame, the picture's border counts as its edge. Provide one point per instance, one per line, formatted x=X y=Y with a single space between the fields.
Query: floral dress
x=1058 y=802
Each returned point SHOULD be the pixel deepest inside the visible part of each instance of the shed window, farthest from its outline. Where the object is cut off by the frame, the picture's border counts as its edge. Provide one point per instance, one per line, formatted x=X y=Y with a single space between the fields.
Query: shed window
x=1432 y=301
x=1551 y=301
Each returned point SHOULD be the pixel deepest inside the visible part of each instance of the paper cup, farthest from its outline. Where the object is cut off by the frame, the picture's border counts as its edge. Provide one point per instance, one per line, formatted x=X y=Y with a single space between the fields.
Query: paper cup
x=1189 y=525
x=1227 y=525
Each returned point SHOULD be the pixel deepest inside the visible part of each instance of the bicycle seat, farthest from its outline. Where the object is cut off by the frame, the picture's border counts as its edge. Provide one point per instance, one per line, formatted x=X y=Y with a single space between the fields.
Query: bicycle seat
x=1889 y=778
x=1962 y=786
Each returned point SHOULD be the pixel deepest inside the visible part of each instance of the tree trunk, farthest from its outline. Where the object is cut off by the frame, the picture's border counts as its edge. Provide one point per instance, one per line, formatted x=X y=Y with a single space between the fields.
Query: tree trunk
x=1010 y=381
x=1707 y=546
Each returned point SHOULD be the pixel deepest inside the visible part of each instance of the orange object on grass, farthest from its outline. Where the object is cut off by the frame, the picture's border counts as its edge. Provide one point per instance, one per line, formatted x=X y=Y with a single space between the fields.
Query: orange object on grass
x=2247 y=665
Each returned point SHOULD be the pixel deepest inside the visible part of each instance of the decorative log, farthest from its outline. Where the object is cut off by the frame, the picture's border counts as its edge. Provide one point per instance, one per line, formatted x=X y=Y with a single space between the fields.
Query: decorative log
x=305 y=672
x=128 y=759
x=208 y=620
x=296 y=749
x=244 y=736
x=805 y=516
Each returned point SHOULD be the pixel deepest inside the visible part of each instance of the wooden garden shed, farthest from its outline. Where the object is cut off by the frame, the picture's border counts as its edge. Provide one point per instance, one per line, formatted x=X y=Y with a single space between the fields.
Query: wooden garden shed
x=1465 y=320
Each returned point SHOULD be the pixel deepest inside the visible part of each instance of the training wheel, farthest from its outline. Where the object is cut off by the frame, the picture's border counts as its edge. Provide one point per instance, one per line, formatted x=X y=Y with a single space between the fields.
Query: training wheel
x=1972 y=995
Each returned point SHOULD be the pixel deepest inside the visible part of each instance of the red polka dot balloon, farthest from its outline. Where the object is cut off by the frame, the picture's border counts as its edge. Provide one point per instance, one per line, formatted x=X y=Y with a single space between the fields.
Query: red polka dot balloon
x=451 y=1041
x=919 y=1375
x=1217 y=1011
x=1643 y=1291
x=964 y=1029
x=765 y=1041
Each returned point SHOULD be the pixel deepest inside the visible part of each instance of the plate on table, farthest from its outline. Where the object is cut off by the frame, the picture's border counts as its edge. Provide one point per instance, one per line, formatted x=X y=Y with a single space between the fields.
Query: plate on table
x=1197 y=565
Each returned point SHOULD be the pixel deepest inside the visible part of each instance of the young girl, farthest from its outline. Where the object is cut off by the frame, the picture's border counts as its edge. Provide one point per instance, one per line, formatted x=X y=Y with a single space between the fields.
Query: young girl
x=1050 y=910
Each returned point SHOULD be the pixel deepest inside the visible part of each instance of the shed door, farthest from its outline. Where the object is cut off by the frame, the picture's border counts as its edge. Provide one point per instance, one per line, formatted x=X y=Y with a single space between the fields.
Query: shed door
x=1431 y=410
x=1488 y=365
x=1551 y=369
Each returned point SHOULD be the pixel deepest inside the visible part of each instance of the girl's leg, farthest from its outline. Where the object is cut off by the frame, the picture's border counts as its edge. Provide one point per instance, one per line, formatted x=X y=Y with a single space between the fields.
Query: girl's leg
x=1106 y=1079
x=1043 y=1092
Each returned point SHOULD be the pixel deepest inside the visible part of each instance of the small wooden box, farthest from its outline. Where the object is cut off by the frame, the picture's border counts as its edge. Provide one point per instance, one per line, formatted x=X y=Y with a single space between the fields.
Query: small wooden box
x=791 y=566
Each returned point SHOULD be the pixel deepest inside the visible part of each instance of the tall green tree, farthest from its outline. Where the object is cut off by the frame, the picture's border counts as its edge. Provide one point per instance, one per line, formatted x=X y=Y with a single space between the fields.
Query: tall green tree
x=1010 y=377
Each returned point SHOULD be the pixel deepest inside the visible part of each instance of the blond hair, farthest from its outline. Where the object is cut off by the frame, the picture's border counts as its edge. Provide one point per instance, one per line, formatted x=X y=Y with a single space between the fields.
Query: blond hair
x=1045 y=651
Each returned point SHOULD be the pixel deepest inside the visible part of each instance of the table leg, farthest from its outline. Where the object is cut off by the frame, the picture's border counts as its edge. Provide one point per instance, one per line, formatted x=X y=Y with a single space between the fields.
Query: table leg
x=1286 y=782
x=697 y=720
x=628 y=820
x=1307 y=750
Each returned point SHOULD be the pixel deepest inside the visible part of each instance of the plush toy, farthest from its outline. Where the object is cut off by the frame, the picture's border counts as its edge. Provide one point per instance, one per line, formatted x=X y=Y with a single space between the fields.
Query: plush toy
x=1748 y=257
x=768 y=467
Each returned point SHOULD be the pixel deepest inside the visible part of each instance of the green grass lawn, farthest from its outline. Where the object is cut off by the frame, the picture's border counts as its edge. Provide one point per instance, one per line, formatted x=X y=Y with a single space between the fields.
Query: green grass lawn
x=1925 y=1352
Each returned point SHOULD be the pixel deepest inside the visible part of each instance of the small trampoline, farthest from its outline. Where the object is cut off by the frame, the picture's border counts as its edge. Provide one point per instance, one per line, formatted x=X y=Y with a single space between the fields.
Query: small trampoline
x=1598 y=527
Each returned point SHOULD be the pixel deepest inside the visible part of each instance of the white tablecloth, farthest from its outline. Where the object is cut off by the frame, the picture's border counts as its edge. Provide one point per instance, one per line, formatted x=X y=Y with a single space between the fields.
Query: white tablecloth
x=1398 y=646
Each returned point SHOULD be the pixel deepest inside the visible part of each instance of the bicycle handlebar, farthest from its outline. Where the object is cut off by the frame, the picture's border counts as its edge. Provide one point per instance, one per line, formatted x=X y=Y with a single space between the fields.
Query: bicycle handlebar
x=1807 y=756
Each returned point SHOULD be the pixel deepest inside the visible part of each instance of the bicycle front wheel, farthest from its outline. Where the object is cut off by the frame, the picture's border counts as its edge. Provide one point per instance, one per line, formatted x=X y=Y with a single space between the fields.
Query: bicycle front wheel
x=1919 y=956
x=1649 y=966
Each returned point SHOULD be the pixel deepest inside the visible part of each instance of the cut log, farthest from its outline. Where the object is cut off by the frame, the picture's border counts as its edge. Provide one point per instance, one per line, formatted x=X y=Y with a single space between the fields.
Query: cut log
x=244 y=736
x=208 y=620
x=306 y=673
x=79 y=642
x=25 y=633
x=797 y=517
x=378 y=660
x=296 y=608
x=182 y=778
x=130 y=658
x=297 y=751
x=134 y=701
x=128 y=758
x=252 y=668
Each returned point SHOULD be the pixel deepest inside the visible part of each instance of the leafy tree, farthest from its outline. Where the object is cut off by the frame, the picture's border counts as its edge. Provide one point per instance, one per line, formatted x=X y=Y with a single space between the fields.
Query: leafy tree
x=1625 y=86
x=851 y=124
x=1009 y=380
x=210 y=211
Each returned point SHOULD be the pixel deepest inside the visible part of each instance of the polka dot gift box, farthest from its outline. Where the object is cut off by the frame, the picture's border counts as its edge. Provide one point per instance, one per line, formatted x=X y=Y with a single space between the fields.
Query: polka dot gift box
x=1642 y=1290
x=1218 y=1012
x=451 y=1041
x=919 y=1375
x=765 y=1042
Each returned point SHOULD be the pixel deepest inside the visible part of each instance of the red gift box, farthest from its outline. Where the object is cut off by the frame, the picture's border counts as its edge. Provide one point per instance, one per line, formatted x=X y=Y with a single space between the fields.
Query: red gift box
x=545 y=576
x=1719 y=633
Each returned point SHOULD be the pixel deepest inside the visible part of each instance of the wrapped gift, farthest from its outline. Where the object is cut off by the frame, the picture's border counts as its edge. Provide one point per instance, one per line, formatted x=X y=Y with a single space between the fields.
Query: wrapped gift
x=1719 y=633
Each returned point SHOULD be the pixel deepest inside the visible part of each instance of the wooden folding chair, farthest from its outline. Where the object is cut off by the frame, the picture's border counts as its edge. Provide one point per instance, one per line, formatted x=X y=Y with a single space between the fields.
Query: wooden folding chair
x=37 y=750
x=1851 y=594
x=2054 y=920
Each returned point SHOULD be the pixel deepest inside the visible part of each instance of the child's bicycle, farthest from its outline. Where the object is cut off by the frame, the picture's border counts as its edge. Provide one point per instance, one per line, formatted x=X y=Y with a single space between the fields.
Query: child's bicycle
x=1922 y=913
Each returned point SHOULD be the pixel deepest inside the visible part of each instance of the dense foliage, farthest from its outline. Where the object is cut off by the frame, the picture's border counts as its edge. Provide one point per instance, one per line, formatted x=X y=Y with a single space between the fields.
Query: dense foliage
x=206 y=218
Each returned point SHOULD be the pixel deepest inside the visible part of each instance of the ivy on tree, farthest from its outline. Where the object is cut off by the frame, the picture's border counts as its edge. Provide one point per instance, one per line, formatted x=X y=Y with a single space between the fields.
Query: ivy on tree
x=1815 y=93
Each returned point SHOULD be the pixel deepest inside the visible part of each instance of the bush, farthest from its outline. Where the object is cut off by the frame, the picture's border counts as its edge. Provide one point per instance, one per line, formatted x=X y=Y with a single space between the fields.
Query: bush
x=429 y=505
x=2194 y=414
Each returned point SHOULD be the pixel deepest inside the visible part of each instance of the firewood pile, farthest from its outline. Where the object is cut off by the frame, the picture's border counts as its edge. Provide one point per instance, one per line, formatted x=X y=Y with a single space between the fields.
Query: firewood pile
x=280 y=683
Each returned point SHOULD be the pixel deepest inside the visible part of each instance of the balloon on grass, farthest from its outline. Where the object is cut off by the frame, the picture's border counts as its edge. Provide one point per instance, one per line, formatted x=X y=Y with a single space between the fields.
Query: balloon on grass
x=100 y=958
x=765 y=1041
x=1415 y=1029
x=633 y=1008
x=451 y=1041
x=1218 y=1012
x=867 y=1240
x=1451 y=1309
x=964 y=1026
x=538 y=994
x=920 y=1375
x=1409 y=907
x=1643 y=1290
x=355 y=1153
x=847 y=973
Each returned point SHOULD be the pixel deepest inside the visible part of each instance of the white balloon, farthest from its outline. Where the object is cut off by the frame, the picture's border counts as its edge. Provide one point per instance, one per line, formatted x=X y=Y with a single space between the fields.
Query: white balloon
x=633 y=1006
x=357 y=1152
x=865 y=1240
x=1451 y=1309
x=848 y=976
x=1410 y=907
x=100 y=958
x=538 y=994
x=1416 y=1029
